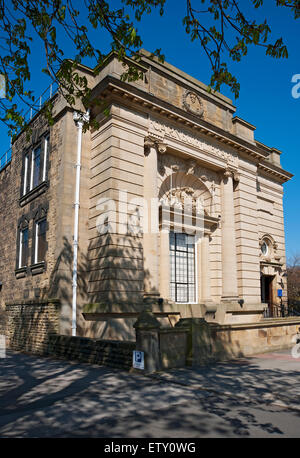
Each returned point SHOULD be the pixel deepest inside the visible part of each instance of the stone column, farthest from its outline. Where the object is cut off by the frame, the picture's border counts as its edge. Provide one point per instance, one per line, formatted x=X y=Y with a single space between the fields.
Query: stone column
x=229 y=264
x=151 y=228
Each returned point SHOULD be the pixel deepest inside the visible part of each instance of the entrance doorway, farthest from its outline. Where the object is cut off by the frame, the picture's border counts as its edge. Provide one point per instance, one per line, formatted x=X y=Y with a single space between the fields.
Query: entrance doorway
x=267 y=293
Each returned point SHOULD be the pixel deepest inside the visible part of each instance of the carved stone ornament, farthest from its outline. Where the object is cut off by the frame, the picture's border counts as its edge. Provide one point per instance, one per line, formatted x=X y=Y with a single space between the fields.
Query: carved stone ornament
x=191 y=165
x=166 y=130
x=168 y=164
x=183 y=197
x=228 y=173
x=152 y=143
x=161 y=148
x=192 y=103
x=236 y=177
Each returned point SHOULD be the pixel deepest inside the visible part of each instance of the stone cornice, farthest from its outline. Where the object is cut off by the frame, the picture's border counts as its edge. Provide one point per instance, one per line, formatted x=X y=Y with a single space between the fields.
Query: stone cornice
x=274 y=171
x=112 y=87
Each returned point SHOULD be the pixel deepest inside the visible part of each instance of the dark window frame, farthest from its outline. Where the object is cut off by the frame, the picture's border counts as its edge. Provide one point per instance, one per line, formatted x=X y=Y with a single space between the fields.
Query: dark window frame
x=22 y=225
x=38 y=238
x=23 y=249
x=40 y=215
x=27 y=182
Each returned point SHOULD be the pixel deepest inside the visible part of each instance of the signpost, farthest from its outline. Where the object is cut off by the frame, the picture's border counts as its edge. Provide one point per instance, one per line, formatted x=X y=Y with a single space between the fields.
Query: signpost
x=138 y=360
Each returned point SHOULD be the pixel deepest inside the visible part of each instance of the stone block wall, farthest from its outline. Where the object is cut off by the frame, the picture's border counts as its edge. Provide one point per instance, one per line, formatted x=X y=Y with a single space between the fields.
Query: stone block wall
x=2 y=322
x=29 y=325
x=254 y=338
x=115 y=257
x=31 y=284
x=34 y=328
x=114 y=354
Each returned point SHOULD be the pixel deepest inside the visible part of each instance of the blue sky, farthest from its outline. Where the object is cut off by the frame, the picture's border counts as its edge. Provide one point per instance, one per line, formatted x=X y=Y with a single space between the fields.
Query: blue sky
x=265 y=96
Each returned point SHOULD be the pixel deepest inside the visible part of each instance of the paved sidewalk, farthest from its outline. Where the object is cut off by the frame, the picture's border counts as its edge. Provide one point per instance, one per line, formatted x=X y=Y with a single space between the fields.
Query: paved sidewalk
x=272 y=377
x=42 y=397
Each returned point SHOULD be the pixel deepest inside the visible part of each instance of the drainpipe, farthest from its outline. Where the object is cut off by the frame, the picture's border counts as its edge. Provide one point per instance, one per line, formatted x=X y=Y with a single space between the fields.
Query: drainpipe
x=79 y=119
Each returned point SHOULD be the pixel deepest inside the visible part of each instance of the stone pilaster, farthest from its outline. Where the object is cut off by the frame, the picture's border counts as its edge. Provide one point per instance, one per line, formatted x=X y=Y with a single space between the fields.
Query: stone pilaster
x=229 y=263
x=151 y=225
x=205 y=270
x=164 y=264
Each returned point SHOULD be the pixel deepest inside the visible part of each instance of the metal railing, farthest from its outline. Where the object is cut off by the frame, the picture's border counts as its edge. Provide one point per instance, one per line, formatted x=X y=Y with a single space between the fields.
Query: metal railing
x=280 y=311
x=5 y=159
x=30 y=113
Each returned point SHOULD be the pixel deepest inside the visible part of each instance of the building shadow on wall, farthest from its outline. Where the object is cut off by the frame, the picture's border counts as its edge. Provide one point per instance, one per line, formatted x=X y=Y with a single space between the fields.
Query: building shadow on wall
x=110 y=279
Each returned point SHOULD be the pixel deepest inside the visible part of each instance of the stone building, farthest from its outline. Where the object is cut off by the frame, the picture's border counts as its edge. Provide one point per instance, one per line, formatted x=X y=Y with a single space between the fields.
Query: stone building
x=180 y=209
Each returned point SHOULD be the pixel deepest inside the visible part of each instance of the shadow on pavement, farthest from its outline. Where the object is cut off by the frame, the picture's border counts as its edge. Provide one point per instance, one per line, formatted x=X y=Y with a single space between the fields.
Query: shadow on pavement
x=41 y=397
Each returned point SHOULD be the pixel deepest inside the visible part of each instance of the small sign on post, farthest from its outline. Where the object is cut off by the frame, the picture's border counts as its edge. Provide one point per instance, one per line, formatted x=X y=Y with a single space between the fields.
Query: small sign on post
x=138 y=360
x=279 y=293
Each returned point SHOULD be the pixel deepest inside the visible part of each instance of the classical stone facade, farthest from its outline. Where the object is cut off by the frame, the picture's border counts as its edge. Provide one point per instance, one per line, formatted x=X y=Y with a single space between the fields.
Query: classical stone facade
x=180 y=208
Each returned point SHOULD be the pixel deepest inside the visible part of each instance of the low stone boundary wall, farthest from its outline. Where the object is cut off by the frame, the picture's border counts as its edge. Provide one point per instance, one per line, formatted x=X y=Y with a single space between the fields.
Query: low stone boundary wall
x=117 y=354
x=193 y=341
x=253 y=338
x=3 y=322
x=33 y=327
x=29 y=324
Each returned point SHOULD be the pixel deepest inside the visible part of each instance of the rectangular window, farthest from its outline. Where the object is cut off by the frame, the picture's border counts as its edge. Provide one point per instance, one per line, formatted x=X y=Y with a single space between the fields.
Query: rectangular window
x=35 y=167
x=40 y=241
x=182 y=262
x=23 y=254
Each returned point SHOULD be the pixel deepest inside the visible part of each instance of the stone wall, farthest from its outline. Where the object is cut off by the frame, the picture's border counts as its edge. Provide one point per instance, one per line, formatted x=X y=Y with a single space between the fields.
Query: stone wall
x=103 y=352
x=116 y=258
x=33 y=328
x=194 y=342
x=3 y=321
x=28 y=325
x=31 y=283
x=250 y=339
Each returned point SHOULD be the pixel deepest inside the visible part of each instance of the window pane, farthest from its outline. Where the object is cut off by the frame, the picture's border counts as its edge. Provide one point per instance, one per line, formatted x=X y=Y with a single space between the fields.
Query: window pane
x=41 y=241
x=36 y=166
x=182 y=268
x=182 y=293
x=172 y=241
x=23 y=248
x=181 y=242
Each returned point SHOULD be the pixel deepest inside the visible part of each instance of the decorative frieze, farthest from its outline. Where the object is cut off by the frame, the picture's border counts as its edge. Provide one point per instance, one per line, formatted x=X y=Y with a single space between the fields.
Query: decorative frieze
x=165 y=130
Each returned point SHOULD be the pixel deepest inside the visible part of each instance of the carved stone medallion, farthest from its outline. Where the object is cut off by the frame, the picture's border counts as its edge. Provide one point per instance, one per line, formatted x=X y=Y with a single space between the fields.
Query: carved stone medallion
x=192 y=103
